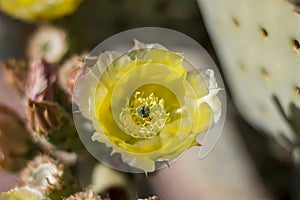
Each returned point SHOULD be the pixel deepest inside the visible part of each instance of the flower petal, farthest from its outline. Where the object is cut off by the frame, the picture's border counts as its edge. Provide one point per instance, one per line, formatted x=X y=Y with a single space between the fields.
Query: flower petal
x=211 y=98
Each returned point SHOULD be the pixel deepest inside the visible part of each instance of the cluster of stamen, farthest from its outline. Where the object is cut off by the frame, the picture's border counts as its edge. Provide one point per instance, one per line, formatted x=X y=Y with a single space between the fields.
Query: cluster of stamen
x=143 y=117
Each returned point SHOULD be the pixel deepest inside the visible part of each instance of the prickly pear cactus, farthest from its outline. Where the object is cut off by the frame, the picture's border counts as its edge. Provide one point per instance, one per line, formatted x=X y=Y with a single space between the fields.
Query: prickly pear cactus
x=258 y=44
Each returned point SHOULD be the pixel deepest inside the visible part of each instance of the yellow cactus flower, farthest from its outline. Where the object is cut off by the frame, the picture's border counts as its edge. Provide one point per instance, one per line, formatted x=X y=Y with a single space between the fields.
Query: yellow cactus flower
x=32 y=10
x=23 y=193
x=147 y=105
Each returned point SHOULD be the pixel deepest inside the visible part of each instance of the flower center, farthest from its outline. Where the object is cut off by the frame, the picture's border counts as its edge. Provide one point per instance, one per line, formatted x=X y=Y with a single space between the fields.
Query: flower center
x=143 y=117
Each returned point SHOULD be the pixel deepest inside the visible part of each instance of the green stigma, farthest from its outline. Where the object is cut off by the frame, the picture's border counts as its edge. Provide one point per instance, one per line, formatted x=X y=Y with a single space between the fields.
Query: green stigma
x=143 y=111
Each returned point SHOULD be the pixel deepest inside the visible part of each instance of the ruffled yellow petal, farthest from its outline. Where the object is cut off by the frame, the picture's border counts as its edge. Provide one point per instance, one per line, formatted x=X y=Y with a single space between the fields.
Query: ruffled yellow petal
x=160 y=56
x=198 y=83
x=204 y=116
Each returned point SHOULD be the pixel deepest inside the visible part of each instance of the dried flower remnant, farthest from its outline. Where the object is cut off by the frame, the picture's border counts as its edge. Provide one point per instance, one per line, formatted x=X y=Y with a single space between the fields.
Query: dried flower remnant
x=154 y=117
x=32 y=10
x=85 y=195
x=44 y=117
x=50 y=177
x=48 y=42
x=43 y=113
x=151 y=198
x=13 y=139
x=23 y=193
x=41 y=80
x=43 y=174
x=68 y=72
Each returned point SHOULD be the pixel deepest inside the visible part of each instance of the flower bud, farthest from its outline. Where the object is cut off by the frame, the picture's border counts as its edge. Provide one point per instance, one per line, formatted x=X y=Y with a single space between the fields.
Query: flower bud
x=41 y=81
x=43 y=174
x=43 y=117
x=69 y=71
x=43 y=113
x=48 y=42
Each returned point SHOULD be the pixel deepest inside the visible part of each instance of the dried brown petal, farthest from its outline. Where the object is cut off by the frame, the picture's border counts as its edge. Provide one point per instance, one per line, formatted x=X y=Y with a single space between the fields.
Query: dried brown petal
x=73 y=75
x=43 y=117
